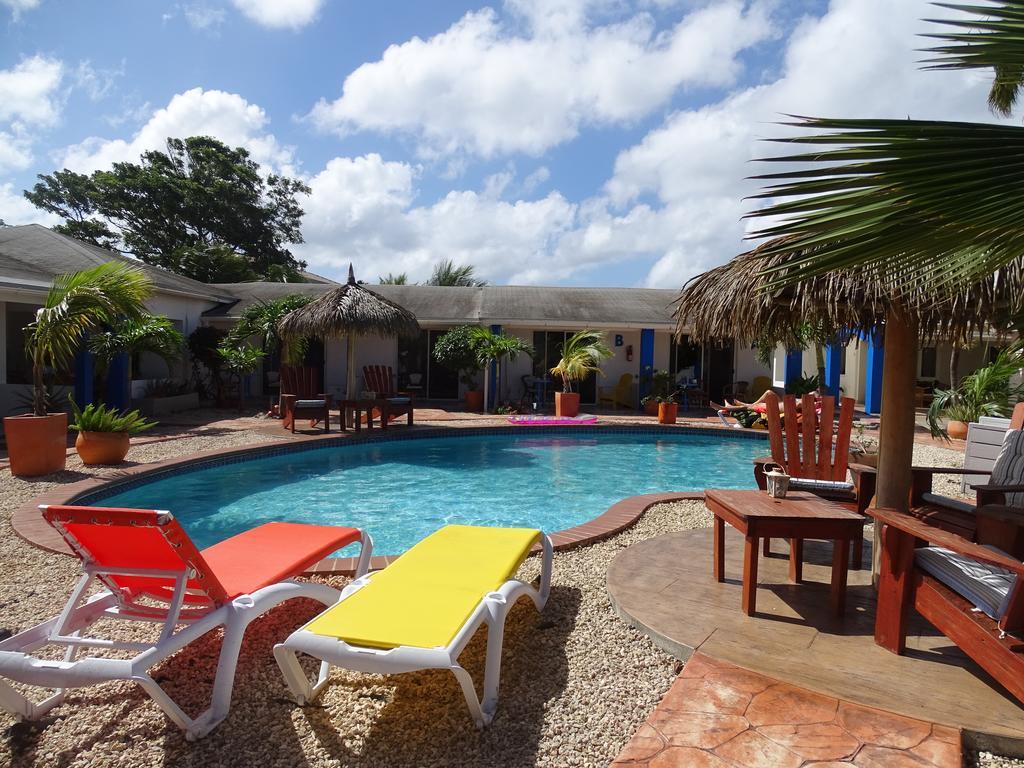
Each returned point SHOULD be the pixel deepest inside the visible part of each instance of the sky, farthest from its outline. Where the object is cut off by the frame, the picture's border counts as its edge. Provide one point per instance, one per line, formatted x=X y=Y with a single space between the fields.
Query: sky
x=546 y=142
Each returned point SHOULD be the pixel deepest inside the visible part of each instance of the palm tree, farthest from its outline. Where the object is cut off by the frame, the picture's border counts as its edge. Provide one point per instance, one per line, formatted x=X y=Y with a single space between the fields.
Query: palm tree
x=935 y=201
x=496 y=347
x=76 y=305
x=392 y=279
x=130 y=336
x=582 y=354
x=446 y=273
x=261 y=320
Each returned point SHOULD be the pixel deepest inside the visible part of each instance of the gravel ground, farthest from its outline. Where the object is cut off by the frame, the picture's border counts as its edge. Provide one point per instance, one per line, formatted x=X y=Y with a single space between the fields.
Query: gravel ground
x=577 y=681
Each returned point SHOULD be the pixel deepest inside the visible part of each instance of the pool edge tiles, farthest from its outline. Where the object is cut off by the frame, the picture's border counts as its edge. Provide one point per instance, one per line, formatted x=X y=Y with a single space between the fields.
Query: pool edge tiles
x=29 y=525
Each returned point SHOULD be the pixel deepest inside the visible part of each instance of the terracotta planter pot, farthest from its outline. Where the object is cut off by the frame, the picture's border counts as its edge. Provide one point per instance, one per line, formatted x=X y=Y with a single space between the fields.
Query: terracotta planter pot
x=567 y=404
x=475 y=400
x=957 y=430
x=667 y=413
x=651 y=407
x=102 y=447
x=37 y=445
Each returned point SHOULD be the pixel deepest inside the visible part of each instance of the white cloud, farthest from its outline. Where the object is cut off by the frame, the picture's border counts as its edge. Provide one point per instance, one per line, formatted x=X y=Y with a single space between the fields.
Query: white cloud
x=204 y=17
x=15 y=209
x=28 y=92
x=97 y=84
x=18 y=7
x=362 y=210
x=280 y=14
x=225 y=116
x=480 y=88
x=693 y=167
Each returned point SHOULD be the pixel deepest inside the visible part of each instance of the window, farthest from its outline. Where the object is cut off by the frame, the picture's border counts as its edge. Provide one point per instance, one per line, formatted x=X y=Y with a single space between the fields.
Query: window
x=684 y=355
x=548 y=348
x=928 y=366
x=19 y=368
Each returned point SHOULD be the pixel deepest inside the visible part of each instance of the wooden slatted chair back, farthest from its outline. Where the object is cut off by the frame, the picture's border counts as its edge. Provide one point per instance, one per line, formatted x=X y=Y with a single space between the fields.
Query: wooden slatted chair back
x=379 y=379
x=300 y=380
x=802 y=441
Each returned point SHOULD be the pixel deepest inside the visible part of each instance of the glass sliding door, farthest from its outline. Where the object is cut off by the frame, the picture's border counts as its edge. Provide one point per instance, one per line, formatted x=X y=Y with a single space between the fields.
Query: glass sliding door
x=548 y=345
x=442 y=382
x=420 y=374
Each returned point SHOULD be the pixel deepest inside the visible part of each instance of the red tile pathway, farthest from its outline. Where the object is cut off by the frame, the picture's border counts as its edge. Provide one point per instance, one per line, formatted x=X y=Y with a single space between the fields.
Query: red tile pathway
x=717 y=715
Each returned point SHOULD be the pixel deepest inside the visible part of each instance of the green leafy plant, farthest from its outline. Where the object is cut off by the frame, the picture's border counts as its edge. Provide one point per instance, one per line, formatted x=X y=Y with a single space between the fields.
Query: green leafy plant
x=457 y=351
x=986 y=392
x=203 y=345
x=237 y=362
x=262 y=319
x=802 y=385
x=660 y=387
x=101 y=418
x=582 y=354
x=167 y=388
x=147 y=333
x=76 y=305
x=446 y=273
x=496 y=347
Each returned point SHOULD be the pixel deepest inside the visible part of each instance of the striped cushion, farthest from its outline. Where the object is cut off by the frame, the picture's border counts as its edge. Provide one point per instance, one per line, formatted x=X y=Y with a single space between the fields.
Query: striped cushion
x=1009 y=466
x=310 y=403
x=399 y=400
x=807 y=484
x=986 y=586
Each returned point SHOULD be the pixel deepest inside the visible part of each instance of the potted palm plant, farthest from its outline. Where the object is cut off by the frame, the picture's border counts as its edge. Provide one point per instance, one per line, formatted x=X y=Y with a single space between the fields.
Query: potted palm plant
x=668 y=408
x=986 y=392
x=104 y=434
x=456 y=350
x=582 y=354
x=76 y=305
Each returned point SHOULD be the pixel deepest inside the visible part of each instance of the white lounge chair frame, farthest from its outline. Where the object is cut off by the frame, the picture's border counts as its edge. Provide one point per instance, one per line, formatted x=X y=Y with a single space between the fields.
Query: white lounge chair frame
x=492 y=610
x=17 y=663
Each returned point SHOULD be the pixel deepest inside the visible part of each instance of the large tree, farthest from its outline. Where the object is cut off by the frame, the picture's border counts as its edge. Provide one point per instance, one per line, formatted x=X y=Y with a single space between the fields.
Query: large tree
x=199 y=208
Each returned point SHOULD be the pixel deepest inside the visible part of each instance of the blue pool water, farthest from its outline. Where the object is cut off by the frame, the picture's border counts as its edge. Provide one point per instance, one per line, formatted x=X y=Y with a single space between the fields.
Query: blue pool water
x=403 y=490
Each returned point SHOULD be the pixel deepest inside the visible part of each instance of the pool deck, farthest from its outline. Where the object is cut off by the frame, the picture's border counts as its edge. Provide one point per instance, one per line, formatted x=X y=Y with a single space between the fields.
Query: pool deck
x=665 y=587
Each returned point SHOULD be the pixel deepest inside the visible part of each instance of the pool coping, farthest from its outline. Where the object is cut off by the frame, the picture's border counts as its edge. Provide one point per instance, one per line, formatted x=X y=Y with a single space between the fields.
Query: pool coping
x=29 y=524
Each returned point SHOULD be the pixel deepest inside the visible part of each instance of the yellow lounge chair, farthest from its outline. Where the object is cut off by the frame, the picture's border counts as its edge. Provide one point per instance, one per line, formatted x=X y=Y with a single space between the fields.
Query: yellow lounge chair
x=422 y=610
x=621 y=394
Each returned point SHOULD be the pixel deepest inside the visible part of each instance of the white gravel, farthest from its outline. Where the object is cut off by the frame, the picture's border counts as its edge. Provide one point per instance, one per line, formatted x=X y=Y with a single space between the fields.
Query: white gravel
x=577 y=681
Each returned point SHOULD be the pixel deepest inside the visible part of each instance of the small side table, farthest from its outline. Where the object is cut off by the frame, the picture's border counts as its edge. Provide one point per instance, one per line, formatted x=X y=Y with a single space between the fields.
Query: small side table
x=801 y=515
x=358 y=407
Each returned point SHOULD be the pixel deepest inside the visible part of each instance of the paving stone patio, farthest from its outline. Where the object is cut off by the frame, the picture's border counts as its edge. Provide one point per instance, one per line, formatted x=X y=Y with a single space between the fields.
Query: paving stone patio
x=718 y=715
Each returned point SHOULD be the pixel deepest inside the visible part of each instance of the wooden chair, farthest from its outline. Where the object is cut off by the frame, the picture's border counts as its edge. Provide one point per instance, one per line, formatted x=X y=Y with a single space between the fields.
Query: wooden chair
x=802 y=442
x=380 y=379
x=1004 y=488
x=972 y=593
x=620 y=394
x=300 y=398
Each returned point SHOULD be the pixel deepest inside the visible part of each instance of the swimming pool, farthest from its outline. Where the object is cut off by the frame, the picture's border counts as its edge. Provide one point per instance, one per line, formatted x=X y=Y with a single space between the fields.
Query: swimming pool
x=402 y=490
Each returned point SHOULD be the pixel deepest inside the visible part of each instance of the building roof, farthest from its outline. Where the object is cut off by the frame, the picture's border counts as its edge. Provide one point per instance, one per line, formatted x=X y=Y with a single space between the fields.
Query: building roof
x=31 y=255
x=555 y=307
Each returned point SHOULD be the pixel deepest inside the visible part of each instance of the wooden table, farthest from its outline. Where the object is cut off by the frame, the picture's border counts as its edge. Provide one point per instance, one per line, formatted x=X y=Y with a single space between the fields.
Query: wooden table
x=801 y=515
x=357 y=407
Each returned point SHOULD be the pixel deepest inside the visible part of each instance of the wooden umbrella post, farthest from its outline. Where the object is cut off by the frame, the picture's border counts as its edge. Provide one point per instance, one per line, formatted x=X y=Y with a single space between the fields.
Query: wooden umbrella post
x=350 y=365
x=896 y=433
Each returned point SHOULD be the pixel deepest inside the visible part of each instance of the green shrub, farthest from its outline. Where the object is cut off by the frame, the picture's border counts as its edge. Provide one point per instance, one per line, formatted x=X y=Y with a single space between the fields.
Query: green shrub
x=101 y=418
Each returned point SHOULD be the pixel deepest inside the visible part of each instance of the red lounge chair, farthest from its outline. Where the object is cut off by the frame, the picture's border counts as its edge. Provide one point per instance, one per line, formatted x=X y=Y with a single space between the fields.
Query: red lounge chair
x=153 y=572
x=300 y=398
x=380 y=379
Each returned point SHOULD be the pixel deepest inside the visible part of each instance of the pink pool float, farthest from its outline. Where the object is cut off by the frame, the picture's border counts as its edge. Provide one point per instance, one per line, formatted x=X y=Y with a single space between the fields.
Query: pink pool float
x=551 y=421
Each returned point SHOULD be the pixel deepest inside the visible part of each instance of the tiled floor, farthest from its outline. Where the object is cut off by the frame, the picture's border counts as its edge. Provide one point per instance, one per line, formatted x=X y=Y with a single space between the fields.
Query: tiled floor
x=717 y=715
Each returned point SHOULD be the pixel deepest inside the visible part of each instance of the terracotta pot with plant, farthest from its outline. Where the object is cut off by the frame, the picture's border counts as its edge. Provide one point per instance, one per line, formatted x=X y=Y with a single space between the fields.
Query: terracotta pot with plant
x=104 y=433
x=582 y=354
x=988 y=391
x=456 y=350
x=76 y=305
x=660 y=385
x=668 y=409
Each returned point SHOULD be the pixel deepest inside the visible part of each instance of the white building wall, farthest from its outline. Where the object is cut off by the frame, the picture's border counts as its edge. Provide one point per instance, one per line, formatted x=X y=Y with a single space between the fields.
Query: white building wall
x=748 y=367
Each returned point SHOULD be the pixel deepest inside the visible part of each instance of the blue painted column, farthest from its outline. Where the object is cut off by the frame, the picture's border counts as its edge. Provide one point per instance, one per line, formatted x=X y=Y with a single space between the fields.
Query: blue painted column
x=834 y=352
x=118 y=386
x=84 y=374
x=873 y=374
x=646 y=360
x=492 y=391
x=794 y=366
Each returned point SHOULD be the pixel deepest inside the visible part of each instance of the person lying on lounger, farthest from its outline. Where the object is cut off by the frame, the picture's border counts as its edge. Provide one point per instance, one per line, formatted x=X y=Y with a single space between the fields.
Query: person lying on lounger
x=752 y=415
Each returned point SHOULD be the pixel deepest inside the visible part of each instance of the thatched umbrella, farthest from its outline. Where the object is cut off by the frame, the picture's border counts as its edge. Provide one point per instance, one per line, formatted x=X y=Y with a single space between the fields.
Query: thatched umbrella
x=738 y=300
x=351 y=310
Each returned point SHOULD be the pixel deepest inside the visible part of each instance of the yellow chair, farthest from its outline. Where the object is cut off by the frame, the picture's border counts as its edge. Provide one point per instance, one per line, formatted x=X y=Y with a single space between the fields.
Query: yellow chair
x=761 y=385
x=422 y=610
x=620 y=394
